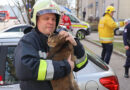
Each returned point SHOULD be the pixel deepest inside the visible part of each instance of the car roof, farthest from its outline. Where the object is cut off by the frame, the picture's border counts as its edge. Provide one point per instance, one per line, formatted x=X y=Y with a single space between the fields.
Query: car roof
x=10 y=37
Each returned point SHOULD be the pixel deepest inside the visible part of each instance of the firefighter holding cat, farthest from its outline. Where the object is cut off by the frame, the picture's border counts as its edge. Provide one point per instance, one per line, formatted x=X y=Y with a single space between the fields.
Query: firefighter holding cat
x=32 y=68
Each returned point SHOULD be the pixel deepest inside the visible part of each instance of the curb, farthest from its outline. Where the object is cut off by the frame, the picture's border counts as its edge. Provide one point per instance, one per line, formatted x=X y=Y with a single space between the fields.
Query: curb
x=99 y=45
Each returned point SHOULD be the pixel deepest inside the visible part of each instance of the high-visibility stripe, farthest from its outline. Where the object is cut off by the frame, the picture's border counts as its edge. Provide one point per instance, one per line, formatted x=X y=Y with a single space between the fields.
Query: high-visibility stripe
x=82 y=63
x=50 y=70
x=42 y=54
x=80 y=59
x=105 y=39
x=42 y=70
x=80 y=26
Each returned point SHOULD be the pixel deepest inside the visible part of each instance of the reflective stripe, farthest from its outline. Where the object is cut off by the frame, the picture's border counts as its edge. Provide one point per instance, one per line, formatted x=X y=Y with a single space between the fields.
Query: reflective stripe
x=66 y=24
x=79 y=65
x=43 y=54
x=50 y=70
x=79 y=26
x=42 y=70
x=105 y=39
x=80 y=60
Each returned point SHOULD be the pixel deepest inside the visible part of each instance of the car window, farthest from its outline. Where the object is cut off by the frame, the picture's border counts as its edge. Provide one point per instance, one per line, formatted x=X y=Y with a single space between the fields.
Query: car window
x=2 y=14
x=18 y=29
x=15 y=29
x=22 y=28
x=73 y=19
x=96 y=59
x=8 y=70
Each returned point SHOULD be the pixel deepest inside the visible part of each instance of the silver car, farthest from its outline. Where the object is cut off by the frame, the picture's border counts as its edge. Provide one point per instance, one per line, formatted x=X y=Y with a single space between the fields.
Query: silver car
x=96 y=75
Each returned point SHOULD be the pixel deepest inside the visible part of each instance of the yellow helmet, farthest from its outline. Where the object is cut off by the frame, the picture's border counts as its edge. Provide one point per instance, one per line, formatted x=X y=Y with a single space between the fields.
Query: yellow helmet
x=43 y=7
x=110 y=9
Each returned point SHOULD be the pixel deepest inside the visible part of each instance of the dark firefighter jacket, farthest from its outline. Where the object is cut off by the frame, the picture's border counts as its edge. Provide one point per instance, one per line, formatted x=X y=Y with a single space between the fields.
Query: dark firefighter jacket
x=126 y=39
x=33 y=69
x=126 y=35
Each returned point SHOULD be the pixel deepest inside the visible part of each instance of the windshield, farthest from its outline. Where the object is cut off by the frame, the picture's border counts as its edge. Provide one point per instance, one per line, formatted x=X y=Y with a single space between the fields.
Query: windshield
x=73 y=19
x=96 y=59
x=2 y=14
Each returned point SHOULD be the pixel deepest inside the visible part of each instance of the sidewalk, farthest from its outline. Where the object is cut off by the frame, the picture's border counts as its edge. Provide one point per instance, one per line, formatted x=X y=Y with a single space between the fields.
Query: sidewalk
x=94 y=36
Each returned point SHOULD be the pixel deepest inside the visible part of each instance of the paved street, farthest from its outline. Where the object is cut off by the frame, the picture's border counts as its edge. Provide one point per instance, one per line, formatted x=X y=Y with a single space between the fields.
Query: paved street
x=116 y=63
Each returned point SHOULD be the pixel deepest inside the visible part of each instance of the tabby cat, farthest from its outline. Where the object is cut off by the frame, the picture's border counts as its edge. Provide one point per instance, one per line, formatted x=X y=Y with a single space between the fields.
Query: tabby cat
x=60 y=49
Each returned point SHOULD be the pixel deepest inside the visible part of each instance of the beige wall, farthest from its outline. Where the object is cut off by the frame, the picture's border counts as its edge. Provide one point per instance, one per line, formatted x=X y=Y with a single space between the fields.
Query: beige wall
x=89 y=5
x=122 y=8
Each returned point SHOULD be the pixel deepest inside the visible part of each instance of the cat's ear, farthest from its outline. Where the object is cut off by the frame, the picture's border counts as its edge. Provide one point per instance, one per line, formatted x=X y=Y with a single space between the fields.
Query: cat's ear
x=50 y=34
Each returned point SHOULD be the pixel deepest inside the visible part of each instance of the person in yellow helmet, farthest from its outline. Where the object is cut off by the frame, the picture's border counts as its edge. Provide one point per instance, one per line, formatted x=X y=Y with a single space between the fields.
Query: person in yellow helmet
x=106 y=29
x=33 y=69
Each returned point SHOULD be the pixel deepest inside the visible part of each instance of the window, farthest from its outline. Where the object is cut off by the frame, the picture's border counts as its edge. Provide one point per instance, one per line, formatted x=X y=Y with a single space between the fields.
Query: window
x=2 y=14
x=73 y=19
x=16 y=29
x=7 y=70
x=96 y=60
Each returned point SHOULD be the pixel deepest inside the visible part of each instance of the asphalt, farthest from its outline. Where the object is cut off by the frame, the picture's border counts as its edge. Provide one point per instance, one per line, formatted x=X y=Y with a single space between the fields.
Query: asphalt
x=95 y=37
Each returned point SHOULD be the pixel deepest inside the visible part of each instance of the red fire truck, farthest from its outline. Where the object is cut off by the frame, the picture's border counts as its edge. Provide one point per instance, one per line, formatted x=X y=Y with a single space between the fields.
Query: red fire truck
x=4 y=16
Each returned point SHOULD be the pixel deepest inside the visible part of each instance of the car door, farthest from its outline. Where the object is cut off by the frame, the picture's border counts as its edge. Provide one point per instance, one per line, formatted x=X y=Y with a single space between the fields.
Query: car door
x=7 y=71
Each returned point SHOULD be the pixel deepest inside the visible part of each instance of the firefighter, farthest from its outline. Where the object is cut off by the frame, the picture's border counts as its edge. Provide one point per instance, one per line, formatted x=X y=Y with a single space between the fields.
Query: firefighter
x=106 y=28
x=32 y=68
x=126 y=39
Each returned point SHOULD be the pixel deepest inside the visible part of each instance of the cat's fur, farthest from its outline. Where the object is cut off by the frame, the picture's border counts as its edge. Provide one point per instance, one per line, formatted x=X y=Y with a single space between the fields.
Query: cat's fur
x=60 y=50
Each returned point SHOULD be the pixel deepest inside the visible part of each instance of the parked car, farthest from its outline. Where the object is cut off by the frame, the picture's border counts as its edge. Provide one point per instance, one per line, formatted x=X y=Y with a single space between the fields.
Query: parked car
x=16 y=28
x=96 y=75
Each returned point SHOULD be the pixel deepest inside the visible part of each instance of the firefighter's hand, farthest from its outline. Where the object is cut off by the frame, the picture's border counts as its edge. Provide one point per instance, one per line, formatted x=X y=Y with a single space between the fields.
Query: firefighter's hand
x=71 y=63
x=126 y=47
x=69 y=37
x=121 y=23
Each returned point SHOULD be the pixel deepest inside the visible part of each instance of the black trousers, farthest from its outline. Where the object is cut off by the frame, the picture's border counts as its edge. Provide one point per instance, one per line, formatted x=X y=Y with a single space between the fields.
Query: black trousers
x=106 y=52
x=127 y=63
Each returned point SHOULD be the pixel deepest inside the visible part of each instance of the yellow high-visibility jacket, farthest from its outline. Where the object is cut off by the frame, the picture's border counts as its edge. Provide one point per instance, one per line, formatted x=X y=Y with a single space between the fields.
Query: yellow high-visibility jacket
x=106 y=28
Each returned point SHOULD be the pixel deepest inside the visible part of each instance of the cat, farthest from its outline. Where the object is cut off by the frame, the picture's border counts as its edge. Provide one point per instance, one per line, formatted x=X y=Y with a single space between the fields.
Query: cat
x=61 y=50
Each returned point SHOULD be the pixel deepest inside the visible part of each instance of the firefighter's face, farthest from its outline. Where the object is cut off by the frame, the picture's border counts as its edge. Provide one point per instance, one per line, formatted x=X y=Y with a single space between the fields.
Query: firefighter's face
x=62 y=13
x=46 y=23
x=112 y=13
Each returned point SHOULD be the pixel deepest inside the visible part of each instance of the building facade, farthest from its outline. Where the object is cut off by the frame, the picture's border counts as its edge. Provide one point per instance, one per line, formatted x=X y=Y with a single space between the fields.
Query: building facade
x=96 y=8
x=61 y=2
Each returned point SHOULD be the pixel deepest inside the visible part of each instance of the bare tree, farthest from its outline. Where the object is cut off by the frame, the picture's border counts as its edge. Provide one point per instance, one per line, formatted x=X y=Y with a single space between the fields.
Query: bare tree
x=25 y=7
x=13 y=12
